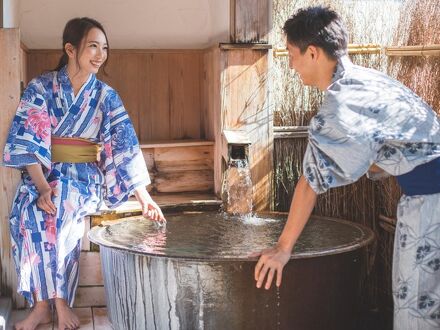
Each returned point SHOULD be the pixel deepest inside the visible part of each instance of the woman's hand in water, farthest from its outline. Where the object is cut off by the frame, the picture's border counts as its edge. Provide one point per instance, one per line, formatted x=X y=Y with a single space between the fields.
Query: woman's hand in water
x=149 y=208
x=271 y=261
x=152 y=211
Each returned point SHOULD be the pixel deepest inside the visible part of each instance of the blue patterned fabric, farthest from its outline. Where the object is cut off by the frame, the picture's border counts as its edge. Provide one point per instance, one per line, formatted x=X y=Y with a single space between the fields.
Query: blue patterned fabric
x=46 y=247
x=416 y=263
x=368 y=118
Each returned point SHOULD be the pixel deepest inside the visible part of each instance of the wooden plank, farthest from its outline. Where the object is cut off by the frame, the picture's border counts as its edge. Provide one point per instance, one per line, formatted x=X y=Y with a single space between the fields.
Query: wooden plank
x=90 y=296
x=177 y=96
x=225 y=46
x=90 y=269
x=192 y=65
x=132 y=206
x=160 y=89
x=85 y=317
x=23 y=65
x=181 y=181
x=156 y=124
x=147 y=104
x=9 y=178
x=41 y=61
x=183 y=159
x=211 y=117
x=175 y=143
x=249 y=21
x=124 y=75
x=149 y=158
x=100 y=319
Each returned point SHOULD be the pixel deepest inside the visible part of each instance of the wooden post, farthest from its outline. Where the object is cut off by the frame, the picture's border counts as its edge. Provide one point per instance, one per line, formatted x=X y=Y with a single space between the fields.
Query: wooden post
x=250 y=21
x=1 y=14
x=9 y=98
x=244 y=93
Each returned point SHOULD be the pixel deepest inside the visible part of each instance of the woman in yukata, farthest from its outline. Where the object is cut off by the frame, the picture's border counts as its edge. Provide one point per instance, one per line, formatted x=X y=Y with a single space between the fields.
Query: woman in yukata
x=76 y=147
x=368 y=122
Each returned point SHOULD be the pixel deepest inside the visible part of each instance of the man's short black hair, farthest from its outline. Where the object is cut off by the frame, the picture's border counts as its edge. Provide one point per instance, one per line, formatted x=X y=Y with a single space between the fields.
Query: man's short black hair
x=319 y=27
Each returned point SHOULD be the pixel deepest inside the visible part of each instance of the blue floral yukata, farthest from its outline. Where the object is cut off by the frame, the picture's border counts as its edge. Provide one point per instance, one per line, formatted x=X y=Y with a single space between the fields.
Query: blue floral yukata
x=46 y=247
x=368 y=118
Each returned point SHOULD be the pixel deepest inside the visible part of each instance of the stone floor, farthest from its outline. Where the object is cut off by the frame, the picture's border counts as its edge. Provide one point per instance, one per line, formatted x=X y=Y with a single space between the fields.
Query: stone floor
x=92 y=318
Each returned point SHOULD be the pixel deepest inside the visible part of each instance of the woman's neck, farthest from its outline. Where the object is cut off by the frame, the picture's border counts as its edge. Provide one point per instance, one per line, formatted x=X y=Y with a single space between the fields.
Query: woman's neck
x=77 y=77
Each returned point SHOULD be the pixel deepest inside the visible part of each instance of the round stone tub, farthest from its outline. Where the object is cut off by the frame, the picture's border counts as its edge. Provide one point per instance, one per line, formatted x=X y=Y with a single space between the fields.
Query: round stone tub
x=198 y=273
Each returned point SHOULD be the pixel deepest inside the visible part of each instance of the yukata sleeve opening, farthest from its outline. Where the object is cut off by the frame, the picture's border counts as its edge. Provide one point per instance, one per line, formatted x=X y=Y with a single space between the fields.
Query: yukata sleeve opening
x=122 y=161
x=335 y=158
x=29 y=137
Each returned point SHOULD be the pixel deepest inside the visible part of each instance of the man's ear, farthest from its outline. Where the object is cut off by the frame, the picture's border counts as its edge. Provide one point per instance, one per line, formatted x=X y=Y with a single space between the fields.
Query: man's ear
x=70 y=50
x=313 y=51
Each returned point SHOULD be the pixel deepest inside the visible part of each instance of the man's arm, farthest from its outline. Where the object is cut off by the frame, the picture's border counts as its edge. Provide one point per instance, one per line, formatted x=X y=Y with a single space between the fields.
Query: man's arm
x=274 y=259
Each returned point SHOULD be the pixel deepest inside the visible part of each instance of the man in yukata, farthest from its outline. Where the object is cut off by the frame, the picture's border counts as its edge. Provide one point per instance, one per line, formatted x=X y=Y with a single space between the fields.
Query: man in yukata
x=371 y=123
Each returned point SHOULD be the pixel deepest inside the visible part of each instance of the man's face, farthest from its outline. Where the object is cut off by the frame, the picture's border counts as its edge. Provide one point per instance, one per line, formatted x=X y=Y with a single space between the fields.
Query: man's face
x=303 y=64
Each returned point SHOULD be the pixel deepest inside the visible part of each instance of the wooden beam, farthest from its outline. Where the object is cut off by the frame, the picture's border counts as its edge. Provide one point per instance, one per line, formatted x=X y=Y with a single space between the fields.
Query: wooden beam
x=1 y=13
x=245 y=106
x=250 y=21
x=9 y=98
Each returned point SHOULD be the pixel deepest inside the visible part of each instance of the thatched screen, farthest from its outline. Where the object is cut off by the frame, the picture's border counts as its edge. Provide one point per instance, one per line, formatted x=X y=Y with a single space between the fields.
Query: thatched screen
x=383 y=22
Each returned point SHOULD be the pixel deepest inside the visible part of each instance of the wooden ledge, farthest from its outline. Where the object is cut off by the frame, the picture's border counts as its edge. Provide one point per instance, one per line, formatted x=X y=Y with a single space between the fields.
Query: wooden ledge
x=256 y=46
x=175 y=143
x=166 y=202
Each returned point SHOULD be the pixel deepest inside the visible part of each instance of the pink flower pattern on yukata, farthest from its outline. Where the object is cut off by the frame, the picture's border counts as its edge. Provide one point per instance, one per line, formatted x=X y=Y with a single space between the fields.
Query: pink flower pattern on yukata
x=51 y=228
x=38 y=121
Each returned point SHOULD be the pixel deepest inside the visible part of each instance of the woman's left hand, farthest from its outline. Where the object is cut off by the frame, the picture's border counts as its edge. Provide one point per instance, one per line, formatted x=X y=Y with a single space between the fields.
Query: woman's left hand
x=152 y=211
x=149 y=207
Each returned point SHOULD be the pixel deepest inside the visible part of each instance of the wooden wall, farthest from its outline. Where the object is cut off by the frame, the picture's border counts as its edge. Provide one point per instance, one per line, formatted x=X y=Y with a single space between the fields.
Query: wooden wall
x=181 y=94
x=9 y=98
x=161 y=89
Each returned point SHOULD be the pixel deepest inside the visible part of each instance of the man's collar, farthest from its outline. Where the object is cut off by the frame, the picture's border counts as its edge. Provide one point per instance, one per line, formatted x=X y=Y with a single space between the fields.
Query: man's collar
x=342 y=65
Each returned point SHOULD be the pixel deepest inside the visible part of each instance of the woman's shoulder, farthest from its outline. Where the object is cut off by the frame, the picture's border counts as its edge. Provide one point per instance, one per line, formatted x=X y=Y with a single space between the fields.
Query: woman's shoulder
x=43 y=80
x=105 y=88
x=109 y=96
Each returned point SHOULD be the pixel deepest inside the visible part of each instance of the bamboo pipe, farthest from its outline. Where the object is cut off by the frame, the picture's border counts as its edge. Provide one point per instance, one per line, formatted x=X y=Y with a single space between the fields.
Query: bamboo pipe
x=288 y=132
x=430 y=50
x=352 y=49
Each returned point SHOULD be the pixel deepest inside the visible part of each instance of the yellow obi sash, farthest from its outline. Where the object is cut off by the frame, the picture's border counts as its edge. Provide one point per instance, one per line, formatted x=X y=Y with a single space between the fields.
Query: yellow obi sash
x=74 y=150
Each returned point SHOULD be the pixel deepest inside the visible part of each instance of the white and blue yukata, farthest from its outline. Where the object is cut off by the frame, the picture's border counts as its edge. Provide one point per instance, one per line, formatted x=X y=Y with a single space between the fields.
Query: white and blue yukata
x=368 y=118
x=46 y=247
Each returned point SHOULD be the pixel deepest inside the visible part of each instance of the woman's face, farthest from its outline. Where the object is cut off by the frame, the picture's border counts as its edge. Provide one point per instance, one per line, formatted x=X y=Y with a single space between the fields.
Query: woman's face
x=93 y=51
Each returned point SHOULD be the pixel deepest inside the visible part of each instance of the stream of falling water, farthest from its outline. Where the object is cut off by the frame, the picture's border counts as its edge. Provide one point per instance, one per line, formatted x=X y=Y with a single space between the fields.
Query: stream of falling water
x=237 y=188
x=278 y=307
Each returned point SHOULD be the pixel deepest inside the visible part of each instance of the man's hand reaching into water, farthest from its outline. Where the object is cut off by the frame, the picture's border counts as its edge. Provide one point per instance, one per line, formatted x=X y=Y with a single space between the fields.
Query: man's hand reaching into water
x=271 y=263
